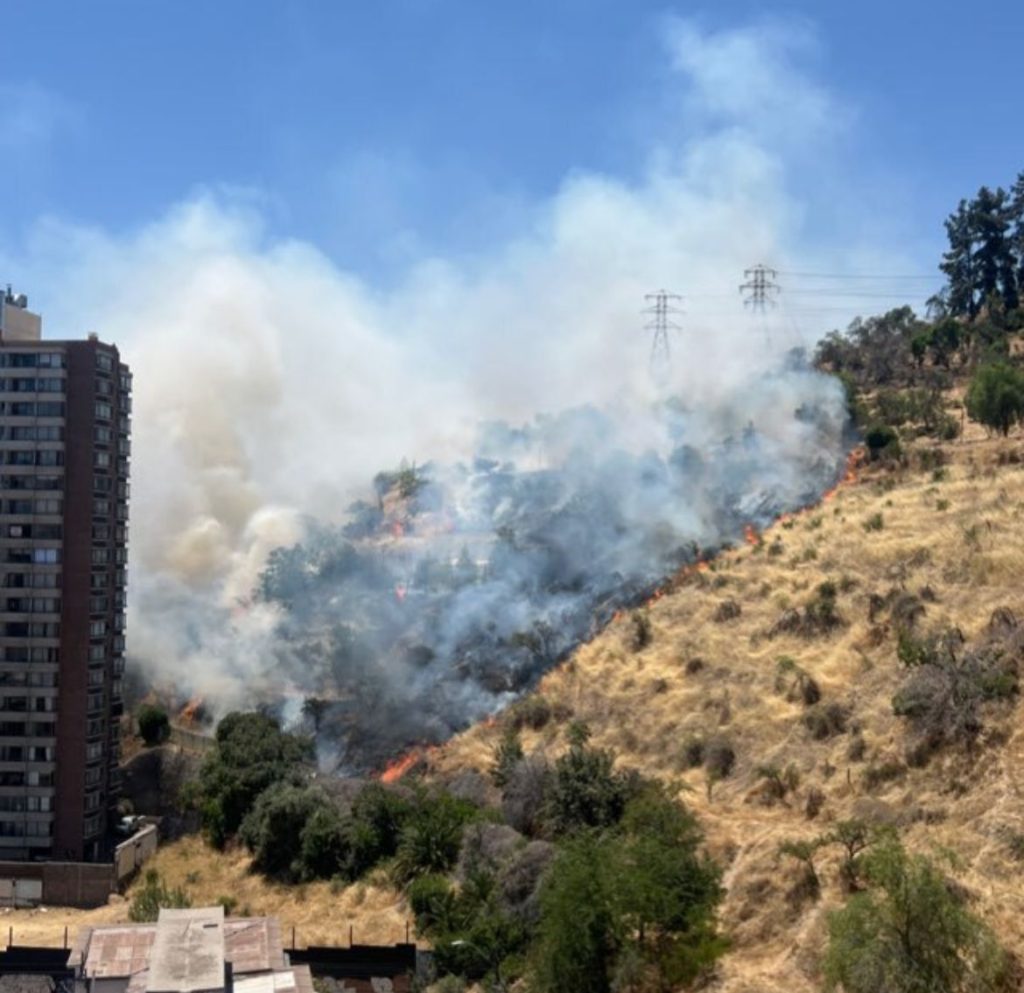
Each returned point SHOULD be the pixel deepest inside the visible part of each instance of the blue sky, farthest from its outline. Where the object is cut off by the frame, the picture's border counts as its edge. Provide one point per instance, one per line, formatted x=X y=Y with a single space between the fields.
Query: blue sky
x=385 y=131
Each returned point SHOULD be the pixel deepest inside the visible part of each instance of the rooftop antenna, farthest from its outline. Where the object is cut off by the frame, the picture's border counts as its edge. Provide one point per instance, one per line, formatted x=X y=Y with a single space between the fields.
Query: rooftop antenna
x=661 y=310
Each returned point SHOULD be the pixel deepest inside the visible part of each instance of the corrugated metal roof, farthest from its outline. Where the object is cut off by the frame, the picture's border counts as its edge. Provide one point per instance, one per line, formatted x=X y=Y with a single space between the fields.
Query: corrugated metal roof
x=188 y=952
x=250 y=944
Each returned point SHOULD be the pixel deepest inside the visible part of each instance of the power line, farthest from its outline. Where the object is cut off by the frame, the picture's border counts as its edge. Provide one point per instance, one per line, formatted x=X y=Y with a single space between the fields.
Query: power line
x=858 y=275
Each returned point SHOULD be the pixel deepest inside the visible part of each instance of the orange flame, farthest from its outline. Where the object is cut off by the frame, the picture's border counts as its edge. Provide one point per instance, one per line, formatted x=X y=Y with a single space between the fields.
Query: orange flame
x=189 y=711
x=394 y=771
x=751 y=536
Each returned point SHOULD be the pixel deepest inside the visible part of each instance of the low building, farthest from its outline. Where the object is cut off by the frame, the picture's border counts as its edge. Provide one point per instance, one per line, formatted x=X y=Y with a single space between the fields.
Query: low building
x=188 y=951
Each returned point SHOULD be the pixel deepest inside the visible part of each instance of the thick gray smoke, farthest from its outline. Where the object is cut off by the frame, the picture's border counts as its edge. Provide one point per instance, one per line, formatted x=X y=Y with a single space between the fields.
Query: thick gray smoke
x=459 y=585
x=271 y=387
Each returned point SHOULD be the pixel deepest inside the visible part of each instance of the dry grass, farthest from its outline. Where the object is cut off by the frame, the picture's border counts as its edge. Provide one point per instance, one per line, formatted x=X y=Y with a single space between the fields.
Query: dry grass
x=958 y=536
x=376 y=913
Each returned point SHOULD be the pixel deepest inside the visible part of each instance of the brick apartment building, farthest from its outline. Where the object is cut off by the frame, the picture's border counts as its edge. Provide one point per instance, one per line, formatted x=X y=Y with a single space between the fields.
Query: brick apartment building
x=65 y=410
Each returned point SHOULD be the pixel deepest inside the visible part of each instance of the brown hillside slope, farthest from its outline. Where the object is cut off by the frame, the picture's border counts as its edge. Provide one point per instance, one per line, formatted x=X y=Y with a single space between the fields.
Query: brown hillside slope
x=952 y=538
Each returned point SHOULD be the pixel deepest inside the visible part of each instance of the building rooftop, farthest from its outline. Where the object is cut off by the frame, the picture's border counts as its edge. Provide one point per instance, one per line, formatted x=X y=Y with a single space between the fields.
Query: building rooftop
x=179 y=954
x=188 y=952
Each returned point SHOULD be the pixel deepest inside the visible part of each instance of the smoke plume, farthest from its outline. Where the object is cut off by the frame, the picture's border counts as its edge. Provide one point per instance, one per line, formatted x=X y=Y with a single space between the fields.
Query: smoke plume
x=554 y=478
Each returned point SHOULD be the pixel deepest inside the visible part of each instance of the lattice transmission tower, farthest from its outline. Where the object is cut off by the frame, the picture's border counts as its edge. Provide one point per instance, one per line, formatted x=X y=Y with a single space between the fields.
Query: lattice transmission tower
x=760 y=289
x=661 y=312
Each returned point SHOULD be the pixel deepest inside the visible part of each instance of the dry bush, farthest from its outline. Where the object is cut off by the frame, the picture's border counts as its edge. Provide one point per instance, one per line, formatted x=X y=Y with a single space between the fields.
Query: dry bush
x=795 y=683
x=948 y=685
x=819 y=616
x=825 y=721
x=727 y=610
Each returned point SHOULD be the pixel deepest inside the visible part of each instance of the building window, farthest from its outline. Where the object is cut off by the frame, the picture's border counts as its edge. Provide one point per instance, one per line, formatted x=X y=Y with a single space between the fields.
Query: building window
x=97 y=629
x=48 y=506
x=104 y=411
x=46 y=556
x=50 y=408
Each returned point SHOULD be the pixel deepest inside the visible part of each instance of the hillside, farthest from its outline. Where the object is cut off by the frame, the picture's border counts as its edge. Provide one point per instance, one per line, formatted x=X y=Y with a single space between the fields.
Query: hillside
x=949 y=537
x=934 y=543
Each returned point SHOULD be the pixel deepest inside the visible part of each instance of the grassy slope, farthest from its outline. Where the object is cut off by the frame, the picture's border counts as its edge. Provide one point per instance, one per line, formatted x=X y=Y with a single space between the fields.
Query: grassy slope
x=645 y=704
x=320 y=916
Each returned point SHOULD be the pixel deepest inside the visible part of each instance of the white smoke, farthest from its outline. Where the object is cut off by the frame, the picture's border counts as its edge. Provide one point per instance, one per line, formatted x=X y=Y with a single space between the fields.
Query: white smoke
x=271 y=385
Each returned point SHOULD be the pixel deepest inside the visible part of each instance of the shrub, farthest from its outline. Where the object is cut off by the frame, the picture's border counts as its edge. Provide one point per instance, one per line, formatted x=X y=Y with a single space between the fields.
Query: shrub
x=324 y=843
x=776 y=783
x=719 y=757
x=374 y=827
x=874 y=523
x=640 y=631
x=825 y=721
x=995 y=397
x=882 y=441
x=533 y=711
x=946 y=687
x=273 y=829
x=507 y=754
x=808 y=886
x=153 y=895
x=432 y=834
x=154 y=725
x=795 y=683
x=251 y=753
x=909 y=932
x=727 y=610
x=524 y=797
x=585 y=791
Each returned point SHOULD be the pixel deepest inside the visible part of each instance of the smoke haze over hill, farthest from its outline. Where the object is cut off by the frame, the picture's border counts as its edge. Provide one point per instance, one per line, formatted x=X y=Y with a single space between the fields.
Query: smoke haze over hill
x=271 y=386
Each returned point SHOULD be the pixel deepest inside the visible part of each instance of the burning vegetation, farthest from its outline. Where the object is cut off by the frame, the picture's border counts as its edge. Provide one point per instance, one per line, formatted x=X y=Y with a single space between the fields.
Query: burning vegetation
x=456 y=587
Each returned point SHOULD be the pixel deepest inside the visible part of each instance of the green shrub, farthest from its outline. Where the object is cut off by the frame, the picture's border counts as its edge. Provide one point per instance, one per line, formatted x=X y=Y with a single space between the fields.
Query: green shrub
x=153 y=895
x=273 y=829
x=432 y=834
x=909 y=932
x=584 y=791
x=874 y=523
x=995 y=397
x=154 y=725
x=507 y=754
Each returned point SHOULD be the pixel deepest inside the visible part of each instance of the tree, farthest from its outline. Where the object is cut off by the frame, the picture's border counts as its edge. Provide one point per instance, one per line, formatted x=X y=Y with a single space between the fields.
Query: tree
x=154 y=725
x=251 y=753
x=581 y=931
x=374 y=827
x=431 y=836
x=273 y=829
x=995 y=397
x=507 y=755
x=632 y=906
x=324 y=843
x=910 y=932
x=584 y=790
x=314 y=708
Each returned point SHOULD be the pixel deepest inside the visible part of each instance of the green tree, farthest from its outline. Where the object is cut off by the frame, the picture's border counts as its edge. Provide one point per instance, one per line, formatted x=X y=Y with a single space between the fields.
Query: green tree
x=908 y=933
x=324 y=843
x=374 y=827
x=273 y=828
x=995 y=397
x=508 y=753
x=432 y=834
x=251 y=753
x=581 y=929
x=154 y=725
x=584 y=790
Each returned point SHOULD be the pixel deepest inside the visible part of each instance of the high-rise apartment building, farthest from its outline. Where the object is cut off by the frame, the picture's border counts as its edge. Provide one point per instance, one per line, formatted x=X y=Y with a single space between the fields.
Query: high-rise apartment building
x=65 y=410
